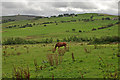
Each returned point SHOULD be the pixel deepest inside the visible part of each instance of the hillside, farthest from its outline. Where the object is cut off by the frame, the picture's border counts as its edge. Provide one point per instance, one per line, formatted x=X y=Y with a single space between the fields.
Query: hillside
x=81 y=25
x=6 y=19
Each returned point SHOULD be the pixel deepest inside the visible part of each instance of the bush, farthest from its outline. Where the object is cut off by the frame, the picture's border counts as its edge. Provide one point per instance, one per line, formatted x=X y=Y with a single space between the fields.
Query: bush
x=46 y=40
x=51 y=40
x=65 y=39
x=17 y=40
x=107 y=39
x=58 y=40
x=75 y=39
x=67 y=30
x=73 y=29
x=80 y=31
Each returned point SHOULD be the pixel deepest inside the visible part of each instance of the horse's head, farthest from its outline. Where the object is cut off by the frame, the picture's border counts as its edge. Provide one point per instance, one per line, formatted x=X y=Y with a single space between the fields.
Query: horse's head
x=54 y=50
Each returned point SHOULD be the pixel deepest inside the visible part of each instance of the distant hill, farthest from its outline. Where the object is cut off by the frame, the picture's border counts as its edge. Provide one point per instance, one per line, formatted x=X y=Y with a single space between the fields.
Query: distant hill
x=18 y=17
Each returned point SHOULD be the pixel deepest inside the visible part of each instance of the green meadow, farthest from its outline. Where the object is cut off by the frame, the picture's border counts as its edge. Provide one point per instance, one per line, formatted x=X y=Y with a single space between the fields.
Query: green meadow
x=79 y=60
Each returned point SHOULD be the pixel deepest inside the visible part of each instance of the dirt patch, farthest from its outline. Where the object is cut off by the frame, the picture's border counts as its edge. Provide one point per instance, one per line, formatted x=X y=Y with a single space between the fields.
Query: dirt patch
x=28 y=37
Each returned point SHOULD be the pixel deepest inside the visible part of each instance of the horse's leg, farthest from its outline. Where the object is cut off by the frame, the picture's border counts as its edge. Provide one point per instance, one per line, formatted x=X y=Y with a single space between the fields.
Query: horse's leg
x=65 y=47
x=58 y=47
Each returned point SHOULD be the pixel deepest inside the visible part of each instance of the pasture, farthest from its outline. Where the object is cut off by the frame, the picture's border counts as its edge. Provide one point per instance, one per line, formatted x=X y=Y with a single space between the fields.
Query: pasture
x=79 y=60
x=39 y=31
x=86 y=63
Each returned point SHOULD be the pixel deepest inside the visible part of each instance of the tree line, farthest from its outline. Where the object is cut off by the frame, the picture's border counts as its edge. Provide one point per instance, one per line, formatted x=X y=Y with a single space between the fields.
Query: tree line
x=101 y=40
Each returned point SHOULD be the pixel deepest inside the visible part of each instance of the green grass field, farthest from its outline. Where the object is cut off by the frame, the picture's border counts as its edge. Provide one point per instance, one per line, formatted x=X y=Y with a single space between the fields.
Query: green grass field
x=91 y=61
x=86 y=63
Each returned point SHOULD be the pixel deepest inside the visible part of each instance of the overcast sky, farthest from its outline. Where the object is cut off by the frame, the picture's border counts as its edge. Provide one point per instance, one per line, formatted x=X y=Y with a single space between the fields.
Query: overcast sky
x=53 y=7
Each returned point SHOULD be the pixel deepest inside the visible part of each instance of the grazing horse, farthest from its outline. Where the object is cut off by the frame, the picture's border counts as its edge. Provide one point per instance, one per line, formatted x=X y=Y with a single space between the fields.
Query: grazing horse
x=60 y=44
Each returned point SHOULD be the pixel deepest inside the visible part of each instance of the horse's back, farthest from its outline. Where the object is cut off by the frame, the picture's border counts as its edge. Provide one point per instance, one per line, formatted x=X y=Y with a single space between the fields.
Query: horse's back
x=61 y=43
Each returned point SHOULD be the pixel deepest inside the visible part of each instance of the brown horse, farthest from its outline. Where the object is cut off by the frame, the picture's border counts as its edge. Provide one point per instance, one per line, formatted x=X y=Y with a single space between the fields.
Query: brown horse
x=60 y=44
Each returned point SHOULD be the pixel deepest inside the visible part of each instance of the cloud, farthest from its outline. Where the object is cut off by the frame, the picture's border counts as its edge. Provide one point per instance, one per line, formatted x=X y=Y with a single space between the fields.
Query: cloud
x=52 y=7
x=13 y=5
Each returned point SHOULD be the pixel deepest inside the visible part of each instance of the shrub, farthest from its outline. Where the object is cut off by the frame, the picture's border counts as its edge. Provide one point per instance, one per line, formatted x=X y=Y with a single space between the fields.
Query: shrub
x=18 y=40
x=64 y=39
x=58 y=40
x=44 y=25
x=67 y=30
x=73 y=29
x=106 y=39
x=75 y=39
x=48 y=40
x=80 y=31
x=51 y=40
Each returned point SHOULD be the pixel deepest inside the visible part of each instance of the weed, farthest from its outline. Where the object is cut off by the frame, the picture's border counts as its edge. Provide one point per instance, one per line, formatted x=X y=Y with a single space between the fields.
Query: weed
x=19 y=53
x=15 y=49
x=86 y=50
x=61 y=52
x=5 y=53
x=50 y=59
x=67 y=49
x=81 y=75
x=6 y=47
x=12 y=47
x=73 y=57
x=60 y=59
x=20 y=73
x=56 y=59
x=12 y=53
x=53 y=50
x=35 y=64
x=107 y=69
x=52 y=76
x=95 y=46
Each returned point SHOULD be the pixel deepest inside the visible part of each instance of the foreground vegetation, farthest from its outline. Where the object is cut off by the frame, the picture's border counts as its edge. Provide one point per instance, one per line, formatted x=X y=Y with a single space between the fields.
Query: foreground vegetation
x=84 y=61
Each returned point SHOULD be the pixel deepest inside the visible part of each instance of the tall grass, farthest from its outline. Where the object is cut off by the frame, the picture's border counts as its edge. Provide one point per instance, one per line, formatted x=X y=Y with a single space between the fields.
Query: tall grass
x=54 y=59
x=20 y=73
x=107 y=69
x=61 y=52
x=50 y=59
x=35 y=64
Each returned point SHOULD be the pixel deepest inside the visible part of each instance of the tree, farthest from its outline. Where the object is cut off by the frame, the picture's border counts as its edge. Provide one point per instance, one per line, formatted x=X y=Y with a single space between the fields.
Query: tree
x=91 y=17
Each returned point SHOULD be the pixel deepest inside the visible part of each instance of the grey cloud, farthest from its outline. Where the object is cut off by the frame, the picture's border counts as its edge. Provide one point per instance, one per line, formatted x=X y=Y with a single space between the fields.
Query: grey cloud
x=52 y=8
x=60 y=4
x=12 y=5
x=83 y=5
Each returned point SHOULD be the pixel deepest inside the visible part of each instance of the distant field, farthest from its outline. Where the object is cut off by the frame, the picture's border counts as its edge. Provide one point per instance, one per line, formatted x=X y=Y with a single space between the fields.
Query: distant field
x=38 y=32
